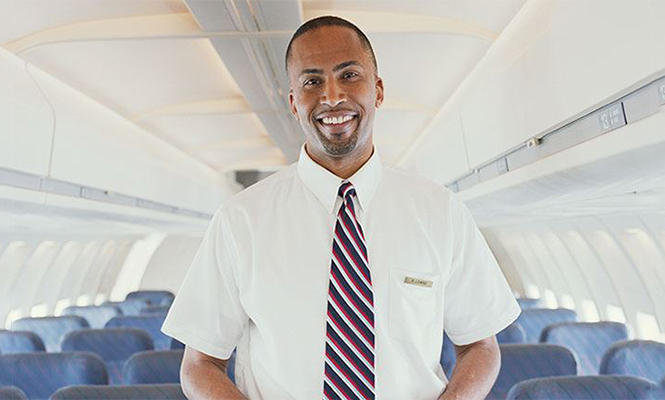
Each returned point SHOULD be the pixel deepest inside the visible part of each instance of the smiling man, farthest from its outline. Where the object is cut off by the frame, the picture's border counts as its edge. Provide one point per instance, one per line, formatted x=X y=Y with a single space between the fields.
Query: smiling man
x=336 y=277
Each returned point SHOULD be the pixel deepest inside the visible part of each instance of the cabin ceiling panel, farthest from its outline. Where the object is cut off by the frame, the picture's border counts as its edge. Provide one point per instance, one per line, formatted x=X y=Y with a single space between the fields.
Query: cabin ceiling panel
x=393 y=130
x=30 y=16
x=196 y=131
x=139 y=76
x=255 y=64
x=657 y=18
x=489 y=14
x=425 y=69
x=268 y=158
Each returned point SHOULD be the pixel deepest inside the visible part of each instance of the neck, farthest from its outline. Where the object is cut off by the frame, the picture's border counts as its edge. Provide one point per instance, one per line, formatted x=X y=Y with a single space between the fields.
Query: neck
x=343 y=167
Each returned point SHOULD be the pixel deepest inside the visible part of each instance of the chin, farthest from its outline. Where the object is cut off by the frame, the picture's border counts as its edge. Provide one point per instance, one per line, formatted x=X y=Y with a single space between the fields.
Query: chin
x=339 y=149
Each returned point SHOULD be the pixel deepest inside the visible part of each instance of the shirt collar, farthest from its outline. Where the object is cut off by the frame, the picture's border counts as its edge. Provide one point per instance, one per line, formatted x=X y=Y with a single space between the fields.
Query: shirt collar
x=324 y=184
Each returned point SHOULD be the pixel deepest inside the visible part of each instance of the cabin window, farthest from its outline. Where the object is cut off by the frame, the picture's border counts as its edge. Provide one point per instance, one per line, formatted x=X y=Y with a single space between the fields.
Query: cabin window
x=615 y=314
x=590 y=310
x=647 y=326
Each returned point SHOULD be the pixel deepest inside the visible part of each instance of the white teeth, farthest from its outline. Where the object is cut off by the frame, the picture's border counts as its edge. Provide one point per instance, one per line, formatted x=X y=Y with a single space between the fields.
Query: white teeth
x=336 y=120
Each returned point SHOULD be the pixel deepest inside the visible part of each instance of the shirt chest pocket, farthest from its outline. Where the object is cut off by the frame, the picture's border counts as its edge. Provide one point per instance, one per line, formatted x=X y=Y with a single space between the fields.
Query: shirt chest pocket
x=414 y=302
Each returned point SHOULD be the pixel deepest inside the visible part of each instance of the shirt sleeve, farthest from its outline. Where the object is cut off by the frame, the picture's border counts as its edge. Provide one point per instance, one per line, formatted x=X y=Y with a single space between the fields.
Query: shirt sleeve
x=207 y=314
x=478 y=302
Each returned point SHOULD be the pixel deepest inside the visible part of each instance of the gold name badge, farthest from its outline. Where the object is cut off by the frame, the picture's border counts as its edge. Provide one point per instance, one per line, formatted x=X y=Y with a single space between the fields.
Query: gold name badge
x=418 y=282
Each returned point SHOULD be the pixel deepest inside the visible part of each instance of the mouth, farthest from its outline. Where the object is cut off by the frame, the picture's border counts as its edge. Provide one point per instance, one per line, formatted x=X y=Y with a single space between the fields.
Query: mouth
x=337 y=123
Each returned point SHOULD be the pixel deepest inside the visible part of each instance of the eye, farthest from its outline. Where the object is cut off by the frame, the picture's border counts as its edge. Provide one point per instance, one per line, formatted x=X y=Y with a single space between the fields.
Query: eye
x=349 y=75
x=311 y=81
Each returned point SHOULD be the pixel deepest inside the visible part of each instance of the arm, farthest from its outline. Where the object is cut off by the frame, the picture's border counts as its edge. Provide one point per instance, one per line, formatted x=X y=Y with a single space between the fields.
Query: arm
x=475 y=371
x=204 y=377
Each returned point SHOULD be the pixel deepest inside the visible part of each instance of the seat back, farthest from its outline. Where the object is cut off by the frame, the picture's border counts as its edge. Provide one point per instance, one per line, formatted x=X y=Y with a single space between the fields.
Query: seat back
x=20 y=342
x=513 y=333
x=588 y=340
x=97 y=316
x=38 y=375
x=448 y=357
x=51 y=329
x=520 y=362
x=528 y=303
x=114 y=346
x=156 y=297
x=584 y=388
x=176 y=344
x=642 y=358
x=149 y=367
x=534 y=320
x=155 y=310
x=133 y=392
x=12 y=393
x=129 y=307
x=150 y=323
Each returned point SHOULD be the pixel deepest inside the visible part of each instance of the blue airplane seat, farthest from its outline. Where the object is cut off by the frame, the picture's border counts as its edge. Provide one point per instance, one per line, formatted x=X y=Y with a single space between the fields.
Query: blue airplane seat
x=97 y=316
x=448 y=357
x=527 y=303
x=588 y=340
x=534 y=320
x=513 y=333
x=20 y=342
x=231 y=367
x=584 y=388
x=51 y=329
x=131 y=392
x=149 y=367
x=39 y=375
x=155 y=310
x=642 y=358
x=520 y=362
x=12 y=393
x=114 y=346
x=156 y=297
x=129 y=307
x=176 y=344
x=151 y=323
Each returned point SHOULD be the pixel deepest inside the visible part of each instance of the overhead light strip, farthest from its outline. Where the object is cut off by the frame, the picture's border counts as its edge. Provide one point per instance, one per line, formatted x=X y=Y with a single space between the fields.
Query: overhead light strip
x=25 y=180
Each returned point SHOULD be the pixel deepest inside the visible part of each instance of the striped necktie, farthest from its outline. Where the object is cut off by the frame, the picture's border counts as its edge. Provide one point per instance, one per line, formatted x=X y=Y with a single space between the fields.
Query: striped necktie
x=349 y=361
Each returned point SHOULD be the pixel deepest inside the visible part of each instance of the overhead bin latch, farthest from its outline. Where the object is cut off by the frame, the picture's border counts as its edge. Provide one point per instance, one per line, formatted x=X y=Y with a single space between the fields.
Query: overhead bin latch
x=533 y=142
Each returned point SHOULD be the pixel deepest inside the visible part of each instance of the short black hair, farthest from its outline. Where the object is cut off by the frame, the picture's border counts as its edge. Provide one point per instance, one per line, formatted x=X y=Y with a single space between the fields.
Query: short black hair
x=330 y=20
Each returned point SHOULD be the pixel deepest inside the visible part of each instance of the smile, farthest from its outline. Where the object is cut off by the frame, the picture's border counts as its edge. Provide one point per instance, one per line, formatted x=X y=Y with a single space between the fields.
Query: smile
x=336 y=120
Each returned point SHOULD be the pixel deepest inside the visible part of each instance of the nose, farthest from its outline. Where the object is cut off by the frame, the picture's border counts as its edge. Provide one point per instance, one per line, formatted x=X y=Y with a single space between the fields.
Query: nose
x=332 y=94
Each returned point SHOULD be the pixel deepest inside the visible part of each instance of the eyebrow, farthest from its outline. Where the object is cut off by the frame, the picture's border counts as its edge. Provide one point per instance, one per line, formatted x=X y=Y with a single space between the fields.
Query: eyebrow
x=336 y=68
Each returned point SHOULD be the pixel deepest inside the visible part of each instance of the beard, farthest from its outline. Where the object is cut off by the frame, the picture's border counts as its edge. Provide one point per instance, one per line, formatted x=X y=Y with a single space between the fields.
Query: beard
x=336 y=148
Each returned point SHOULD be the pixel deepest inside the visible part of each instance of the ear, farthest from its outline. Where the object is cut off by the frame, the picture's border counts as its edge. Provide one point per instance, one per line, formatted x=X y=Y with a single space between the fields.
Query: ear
x=292 y=105
x=379 y=92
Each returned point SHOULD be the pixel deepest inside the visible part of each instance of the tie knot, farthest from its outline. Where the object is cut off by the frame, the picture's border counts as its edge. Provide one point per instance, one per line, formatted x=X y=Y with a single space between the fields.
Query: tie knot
x=346 y=190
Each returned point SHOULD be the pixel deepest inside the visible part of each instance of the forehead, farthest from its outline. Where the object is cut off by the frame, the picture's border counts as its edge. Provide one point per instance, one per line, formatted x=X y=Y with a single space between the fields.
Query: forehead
x=325 y=47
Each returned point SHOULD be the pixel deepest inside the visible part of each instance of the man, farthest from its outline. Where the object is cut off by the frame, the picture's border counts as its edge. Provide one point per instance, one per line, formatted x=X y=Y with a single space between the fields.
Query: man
x=336 y=277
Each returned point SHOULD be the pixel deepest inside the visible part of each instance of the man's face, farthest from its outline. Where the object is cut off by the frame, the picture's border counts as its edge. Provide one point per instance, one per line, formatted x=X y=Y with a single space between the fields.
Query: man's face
x=334 y=92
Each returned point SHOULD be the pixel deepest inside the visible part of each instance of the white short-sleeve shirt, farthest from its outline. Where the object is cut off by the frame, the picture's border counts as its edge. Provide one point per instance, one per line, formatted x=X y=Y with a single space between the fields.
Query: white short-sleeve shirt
x=259 y=281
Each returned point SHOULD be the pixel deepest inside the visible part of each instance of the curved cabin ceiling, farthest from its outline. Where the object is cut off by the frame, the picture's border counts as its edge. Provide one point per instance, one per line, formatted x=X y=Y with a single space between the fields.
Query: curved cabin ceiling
x=150 y=62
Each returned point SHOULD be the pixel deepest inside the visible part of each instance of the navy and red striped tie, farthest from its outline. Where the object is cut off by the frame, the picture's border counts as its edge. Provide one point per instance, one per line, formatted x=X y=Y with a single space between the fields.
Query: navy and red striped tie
x=349 y=362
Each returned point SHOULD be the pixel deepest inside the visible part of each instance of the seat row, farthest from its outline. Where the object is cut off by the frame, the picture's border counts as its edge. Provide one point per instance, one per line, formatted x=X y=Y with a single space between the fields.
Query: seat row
x=39 y=375
x=519 y=363
x=522 y=362
x=96 y=392
x=136 y=303
x=84 y=369
x=587 y=340
x=47 y=333
x=114 y=346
